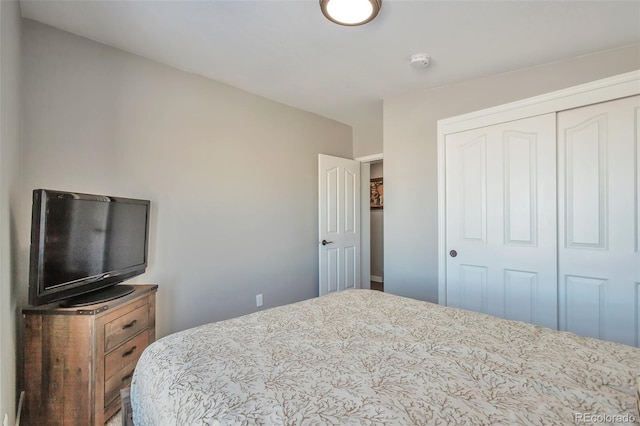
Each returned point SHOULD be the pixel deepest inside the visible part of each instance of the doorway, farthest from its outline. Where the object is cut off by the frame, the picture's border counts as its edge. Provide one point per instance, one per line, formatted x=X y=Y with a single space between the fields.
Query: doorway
x=372 y=224
x=376 y=212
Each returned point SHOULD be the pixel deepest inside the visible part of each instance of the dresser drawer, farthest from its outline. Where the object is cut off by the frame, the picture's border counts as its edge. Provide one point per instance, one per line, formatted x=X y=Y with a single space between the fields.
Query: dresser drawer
x=118 y=381
x=128 y=352
x=124 y=327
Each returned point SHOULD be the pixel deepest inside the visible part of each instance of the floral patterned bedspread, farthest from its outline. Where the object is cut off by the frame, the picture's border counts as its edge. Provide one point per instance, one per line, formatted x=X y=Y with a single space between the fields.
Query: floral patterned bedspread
x=366 y=357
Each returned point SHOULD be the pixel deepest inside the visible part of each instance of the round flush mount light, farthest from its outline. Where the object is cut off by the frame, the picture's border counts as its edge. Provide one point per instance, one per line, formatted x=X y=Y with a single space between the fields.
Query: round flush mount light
x=350 y=12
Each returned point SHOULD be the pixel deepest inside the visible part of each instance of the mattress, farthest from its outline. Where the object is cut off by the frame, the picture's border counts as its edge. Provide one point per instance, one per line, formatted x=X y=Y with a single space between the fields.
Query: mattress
x=366 y=357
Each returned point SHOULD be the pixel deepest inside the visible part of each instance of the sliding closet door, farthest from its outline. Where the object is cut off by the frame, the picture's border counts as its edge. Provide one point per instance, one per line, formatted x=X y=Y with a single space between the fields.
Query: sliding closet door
x=501 y=220
x=599 y=229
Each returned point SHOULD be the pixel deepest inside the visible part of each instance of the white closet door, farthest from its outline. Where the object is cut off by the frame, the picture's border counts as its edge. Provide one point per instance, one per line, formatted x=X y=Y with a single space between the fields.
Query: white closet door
x=599 y=256
x=501 y=220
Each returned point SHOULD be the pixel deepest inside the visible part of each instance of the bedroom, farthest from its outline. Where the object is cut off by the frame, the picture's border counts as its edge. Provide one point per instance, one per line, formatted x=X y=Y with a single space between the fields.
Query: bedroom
x=153 y=110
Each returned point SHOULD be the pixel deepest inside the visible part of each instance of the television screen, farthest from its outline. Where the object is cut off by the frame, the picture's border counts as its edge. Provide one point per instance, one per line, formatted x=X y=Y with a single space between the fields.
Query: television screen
x=82 y=242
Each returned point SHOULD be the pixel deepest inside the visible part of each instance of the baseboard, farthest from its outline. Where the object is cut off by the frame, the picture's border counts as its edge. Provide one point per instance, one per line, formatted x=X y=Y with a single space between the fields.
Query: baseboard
x=376 y=279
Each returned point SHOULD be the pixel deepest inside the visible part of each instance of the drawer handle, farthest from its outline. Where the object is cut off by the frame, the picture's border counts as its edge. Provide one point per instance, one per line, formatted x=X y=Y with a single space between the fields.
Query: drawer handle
x=131 y=324
x=127 y=377
x=129 y=352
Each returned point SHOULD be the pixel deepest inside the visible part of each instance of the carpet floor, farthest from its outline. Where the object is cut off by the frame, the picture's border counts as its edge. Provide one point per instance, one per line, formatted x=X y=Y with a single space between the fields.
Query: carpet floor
x=116 y=420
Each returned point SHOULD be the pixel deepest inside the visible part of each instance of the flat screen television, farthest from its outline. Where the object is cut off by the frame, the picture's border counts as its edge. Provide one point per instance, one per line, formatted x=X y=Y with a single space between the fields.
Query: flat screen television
x=82 y=245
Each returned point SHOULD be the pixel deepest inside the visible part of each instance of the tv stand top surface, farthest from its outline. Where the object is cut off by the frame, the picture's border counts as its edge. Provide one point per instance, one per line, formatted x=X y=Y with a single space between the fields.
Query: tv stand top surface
x=55 y=309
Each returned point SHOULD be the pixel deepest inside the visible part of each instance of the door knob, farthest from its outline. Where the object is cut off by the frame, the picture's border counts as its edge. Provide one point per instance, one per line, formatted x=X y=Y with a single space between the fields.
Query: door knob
x=453 y=253
x=325 y=242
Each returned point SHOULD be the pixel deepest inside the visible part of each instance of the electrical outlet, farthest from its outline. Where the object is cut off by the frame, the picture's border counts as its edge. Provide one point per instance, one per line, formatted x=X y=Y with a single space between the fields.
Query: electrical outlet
x=258 y=300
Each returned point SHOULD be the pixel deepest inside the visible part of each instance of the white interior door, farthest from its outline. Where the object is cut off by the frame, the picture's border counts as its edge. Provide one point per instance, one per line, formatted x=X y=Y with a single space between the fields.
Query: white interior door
x=339 y=223
x=599 y=228
x=501 y=220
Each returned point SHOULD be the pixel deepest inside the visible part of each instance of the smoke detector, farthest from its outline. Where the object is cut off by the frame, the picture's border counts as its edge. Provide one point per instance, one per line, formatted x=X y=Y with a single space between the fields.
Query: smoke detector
x=420 y=61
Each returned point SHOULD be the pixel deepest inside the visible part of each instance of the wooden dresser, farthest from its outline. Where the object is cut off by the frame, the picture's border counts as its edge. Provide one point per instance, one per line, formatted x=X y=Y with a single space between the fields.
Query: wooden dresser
x=76 y=360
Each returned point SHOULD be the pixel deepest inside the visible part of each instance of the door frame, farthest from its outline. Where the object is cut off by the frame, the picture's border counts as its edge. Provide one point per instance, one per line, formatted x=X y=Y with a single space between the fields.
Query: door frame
x=607 y=89
x=365 y=218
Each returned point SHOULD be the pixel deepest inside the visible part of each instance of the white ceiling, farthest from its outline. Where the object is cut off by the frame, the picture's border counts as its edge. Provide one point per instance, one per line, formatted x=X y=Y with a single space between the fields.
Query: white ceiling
x=287 y=51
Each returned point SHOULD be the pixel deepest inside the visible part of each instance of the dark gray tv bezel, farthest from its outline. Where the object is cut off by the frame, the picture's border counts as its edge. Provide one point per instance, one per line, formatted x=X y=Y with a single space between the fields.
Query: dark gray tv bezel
x=38 y=294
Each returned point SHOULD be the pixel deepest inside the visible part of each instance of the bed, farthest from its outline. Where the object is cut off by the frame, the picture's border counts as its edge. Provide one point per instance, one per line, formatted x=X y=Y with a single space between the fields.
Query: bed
x=366 y=357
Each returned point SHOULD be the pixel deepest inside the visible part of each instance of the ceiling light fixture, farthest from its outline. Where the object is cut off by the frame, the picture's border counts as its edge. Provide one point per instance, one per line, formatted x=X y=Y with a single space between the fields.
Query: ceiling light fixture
x=350 y=12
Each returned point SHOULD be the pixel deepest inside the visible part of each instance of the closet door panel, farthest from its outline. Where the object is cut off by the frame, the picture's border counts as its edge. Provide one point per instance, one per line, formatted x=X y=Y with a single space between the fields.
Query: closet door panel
x=501 y=226
x=520 y=191
x=599 y=260
x=586 y=187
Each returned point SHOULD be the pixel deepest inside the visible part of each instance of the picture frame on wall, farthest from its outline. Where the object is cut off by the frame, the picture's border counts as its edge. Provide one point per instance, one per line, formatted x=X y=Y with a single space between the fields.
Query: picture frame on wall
x=377 y=193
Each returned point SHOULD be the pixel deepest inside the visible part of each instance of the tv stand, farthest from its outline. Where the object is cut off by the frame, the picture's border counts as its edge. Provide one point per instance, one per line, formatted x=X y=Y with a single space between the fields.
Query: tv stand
x=76 y=360
x=109 y=293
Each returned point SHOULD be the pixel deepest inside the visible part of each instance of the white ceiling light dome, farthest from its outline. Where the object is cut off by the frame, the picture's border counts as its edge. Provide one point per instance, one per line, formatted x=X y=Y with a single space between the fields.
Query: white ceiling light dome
x=350 y=12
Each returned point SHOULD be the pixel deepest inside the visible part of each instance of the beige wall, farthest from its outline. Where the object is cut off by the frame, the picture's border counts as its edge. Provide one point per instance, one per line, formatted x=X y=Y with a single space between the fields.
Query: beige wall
x=410 y=161
x=367 y=131
x=232 y=177
x=10 y=175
